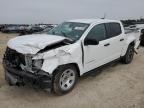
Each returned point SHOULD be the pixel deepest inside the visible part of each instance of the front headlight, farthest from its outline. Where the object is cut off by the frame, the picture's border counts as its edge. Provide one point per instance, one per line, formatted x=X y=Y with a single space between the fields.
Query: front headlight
x=37 y=63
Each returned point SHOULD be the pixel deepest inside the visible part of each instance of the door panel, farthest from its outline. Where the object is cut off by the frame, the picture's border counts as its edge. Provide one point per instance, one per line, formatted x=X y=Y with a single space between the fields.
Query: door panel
x=96 y=55
x=108 y=49
x=114 y=33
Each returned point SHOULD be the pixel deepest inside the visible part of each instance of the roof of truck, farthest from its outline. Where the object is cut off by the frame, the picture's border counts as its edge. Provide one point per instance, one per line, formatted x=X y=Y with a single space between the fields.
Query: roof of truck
x=90 y=21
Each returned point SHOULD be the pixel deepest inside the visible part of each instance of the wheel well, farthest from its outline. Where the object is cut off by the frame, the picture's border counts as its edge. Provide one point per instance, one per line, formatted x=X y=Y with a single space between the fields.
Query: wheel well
x=142 y=31
x=132 y=43
x=73 y=64
x=76 y=65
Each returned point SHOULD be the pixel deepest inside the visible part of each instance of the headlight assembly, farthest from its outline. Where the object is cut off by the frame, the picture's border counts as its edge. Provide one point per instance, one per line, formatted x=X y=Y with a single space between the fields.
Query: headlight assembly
x=37 y=64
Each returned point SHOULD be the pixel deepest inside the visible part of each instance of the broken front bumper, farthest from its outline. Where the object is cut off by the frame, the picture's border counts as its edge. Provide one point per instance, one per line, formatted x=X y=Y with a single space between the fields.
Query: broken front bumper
x=16 y=77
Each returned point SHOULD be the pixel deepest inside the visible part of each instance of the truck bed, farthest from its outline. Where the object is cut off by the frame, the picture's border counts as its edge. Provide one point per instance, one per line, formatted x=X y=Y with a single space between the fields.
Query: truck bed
x=135 y=33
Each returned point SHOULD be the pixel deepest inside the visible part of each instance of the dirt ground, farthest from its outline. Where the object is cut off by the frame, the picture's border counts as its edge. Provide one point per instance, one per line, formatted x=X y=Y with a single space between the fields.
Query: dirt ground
x=118 y=86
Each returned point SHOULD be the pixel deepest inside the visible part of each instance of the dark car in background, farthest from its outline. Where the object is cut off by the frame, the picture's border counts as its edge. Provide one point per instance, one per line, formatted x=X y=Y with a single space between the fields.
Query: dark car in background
x=13 y=28
x=1 y=27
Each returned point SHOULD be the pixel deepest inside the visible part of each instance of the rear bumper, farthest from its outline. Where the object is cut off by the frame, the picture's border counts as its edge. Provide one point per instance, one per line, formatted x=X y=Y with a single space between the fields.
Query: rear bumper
x=16 y=77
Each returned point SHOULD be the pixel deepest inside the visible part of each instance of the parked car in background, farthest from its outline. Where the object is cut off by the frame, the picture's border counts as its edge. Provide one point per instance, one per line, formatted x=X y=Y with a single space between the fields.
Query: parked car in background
x=54 y=61
x=13 y=28
x=31 y=30
x=10 y=29
x=45 y=31
x=37 y=29
x=1 y=27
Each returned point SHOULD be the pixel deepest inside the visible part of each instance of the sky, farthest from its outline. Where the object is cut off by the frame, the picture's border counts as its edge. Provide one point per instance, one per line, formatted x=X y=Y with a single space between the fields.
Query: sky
x=57 y=11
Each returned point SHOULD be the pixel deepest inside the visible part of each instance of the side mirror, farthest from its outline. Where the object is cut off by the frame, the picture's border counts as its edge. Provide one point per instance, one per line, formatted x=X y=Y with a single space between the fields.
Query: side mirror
x=88 y=41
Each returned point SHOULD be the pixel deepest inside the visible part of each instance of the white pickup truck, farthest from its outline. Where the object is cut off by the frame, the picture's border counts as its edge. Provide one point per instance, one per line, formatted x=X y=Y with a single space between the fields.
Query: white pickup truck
x=54 y=61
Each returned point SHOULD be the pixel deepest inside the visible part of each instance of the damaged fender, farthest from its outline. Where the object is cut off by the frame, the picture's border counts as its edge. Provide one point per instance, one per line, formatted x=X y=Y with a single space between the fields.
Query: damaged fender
x=61 y=56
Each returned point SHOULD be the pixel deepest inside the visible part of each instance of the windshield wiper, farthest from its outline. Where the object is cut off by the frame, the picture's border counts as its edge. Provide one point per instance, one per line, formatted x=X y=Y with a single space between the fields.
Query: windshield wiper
x=69 y=39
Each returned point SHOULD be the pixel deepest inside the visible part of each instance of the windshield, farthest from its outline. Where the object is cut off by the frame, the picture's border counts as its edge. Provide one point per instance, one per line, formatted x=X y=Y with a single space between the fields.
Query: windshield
x=71 y=30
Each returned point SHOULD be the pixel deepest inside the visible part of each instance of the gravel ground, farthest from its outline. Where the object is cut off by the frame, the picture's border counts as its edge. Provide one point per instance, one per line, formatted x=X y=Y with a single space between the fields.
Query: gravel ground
x=118 y=86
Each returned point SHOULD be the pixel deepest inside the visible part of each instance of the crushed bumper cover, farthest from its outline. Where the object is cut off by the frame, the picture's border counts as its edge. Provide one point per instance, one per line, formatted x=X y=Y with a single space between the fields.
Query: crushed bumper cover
x=41 y=79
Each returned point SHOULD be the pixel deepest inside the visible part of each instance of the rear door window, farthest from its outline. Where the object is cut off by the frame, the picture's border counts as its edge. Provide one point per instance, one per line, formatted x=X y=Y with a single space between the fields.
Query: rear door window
x=113 y=29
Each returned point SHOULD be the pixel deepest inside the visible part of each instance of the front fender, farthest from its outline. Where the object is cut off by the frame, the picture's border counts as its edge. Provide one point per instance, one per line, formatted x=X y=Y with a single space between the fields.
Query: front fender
x=73 y=56
x=49 y=65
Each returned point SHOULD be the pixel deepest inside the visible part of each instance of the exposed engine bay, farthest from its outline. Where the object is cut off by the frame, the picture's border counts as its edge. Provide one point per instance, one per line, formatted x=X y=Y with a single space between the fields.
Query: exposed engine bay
x=25 y=62
x=27 y=68
x=17 y=60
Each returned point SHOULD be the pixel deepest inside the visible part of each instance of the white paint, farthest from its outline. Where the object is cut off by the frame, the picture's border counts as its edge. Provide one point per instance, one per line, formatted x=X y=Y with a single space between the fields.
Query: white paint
x=95 y=55
x=31 y=44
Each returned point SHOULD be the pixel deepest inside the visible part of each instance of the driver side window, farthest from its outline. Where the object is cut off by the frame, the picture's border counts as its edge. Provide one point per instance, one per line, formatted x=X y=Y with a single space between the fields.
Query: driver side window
x=98 y=32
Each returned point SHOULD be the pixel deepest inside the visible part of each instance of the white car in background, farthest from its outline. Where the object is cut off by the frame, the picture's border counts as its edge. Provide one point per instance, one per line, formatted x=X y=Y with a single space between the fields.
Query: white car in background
x=55 y=61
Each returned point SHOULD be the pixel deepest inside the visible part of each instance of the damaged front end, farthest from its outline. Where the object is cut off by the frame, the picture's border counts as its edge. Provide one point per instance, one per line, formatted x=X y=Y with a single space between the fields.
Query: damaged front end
x=21 y=69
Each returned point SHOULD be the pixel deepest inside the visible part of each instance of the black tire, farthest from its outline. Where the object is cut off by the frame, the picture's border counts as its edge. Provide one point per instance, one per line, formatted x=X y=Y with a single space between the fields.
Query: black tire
x=127 y=59
x=57 y=84
x=142 y=38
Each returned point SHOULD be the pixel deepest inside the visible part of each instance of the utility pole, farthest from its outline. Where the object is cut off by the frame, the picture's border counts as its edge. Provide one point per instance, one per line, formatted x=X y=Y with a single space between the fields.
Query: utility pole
x=104 y=16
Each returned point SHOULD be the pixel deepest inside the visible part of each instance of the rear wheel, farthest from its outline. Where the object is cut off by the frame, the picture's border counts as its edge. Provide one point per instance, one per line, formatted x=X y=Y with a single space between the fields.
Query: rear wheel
x=142 y=38
x=129 y=55
x=142 y=43
x=65 y=79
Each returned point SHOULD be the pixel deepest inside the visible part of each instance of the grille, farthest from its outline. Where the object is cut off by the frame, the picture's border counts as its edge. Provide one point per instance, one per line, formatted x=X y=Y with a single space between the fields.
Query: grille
x=14 y=58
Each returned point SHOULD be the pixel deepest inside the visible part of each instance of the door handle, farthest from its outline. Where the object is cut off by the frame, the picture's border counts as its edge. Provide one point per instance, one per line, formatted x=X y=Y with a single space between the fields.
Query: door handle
x=121 y=39
x=107 y=44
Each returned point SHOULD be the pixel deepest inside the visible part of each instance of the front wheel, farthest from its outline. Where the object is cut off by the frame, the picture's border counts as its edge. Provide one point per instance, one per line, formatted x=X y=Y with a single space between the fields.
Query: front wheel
x=65 y=79
x=129 y=55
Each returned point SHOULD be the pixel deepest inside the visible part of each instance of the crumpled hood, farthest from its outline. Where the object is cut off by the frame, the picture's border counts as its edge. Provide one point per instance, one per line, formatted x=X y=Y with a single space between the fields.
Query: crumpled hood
x=31 y=44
